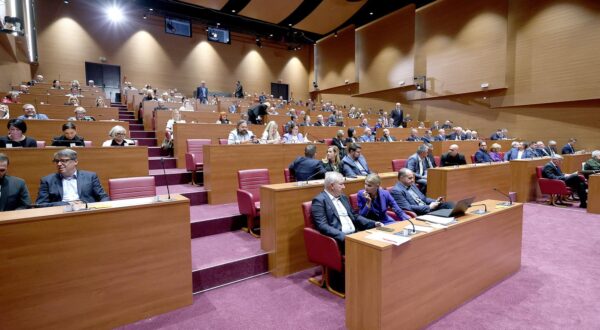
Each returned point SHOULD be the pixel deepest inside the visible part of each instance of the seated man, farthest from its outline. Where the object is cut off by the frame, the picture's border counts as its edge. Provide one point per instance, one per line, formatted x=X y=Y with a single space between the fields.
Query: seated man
x=441 y=135
x=417 y=163
x=592 y=165
x=373 y=202
x=241 y=135
x=13 y=194
x=319 y=121
x=498 y=135
x=521 y=152
x=427 y=137
x=30 y=113
x=408 y=197
x=569 y=148
x=413 y=135
x=552 y=171
x=458 y=134
x=69 y=184
x=354 y=164
x=551 y=148
x=452 y=157
x=367 y=136
x=307 y=167
x=161 y=105
x=482 y=156
x=386 y=136
x=80 y=114
x=539 y=150
x=332 y=214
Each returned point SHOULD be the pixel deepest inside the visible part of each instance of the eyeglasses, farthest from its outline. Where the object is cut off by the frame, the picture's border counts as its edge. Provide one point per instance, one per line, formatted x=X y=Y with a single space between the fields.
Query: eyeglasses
x=120 y=134
x=61 y=161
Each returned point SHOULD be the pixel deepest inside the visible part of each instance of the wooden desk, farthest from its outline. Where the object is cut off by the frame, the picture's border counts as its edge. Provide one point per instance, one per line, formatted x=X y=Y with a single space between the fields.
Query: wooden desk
x=524 y=179
x=322 y=132
x=282 y=221
x=221 y=163
x=594 y=194
x=46 y=130
x=66 y=111
x=31 y=164
x=148 y=113
x=479 y=181
x=162 y=116
x=94 y=269
x=414 y=284
x=399 y=133
x=466 y=148
x=572 y=163
x=62 y=99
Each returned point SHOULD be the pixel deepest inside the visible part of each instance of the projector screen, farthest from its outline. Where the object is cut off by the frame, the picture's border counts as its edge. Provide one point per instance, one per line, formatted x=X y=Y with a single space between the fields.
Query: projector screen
x=218 y=35
x=178 y=26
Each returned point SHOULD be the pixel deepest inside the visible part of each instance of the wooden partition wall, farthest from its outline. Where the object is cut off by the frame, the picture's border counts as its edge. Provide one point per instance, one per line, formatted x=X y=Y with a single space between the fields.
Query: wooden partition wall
x=66 y=111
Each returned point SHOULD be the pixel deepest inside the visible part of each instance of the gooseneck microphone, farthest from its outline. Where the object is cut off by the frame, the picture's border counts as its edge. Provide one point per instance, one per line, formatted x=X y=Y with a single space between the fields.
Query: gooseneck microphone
x=313 y=175
x=509 y=203
x=162 y=162
x=484 y=211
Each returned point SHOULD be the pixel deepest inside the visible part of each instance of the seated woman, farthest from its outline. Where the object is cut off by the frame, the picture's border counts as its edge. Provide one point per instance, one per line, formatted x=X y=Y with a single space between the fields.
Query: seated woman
x=351 y=138
x=69 y=137
x=4 y=111
x=100 y=103
x=293 y=136
x=11 y=97
x=75 y=85
x=72 y=100
x=16 y=136
x=270 y=135
x=223 y=118
x=118 y=134
x=80 y=115
x=331 y=162
x=187 y=105
x=167 y=143
x=373 y=202
x=56 y=84
x=495 y=152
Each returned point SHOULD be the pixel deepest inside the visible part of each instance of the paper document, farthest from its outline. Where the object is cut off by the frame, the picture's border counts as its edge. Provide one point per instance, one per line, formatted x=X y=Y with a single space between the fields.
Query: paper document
x=436 y=219
x=423 y=229
x=388 y=238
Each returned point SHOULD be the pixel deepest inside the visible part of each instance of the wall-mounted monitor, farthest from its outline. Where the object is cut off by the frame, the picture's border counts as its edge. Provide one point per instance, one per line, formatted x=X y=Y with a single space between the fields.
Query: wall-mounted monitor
x=218 y=35
x=178 y=26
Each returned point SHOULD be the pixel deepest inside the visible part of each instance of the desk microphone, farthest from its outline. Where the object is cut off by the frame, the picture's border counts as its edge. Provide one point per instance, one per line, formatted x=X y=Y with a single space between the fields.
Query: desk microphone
x=509 y=203
x=162 y=162
x=408 y=232
x=484 y=211
x=313 y=175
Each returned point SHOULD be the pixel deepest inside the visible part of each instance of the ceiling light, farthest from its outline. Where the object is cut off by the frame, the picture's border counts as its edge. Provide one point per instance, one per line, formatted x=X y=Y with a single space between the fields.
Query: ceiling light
x=145 y=16
x=371 y=13
x=233 y=10
x=114 y=14
x=290 y=24
x=66 y=1
x=151 y=9
x=218 y=24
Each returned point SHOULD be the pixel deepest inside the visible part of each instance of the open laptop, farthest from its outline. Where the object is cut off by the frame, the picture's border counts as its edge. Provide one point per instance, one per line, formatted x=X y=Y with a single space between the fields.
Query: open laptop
x=459 y=208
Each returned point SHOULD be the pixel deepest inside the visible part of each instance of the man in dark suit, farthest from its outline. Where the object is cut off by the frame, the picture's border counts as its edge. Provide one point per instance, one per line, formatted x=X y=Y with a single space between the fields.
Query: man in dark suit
x=13 y=194
x=307 y=167
x=569 y=148
x=397 y=115
x=414 y=135
x=552 y=171
x=441 y=135
x=417 y=163
x=257 y=113
x=69 y=184
x=452 y=157
x=551 y=148
x=354 y=164
x=386 y=136
x=458 y=134
x=332 y=214
x=482 y=156
x=522 y=151
x=409 y=197
x=539 y=150
x=498 y=135
x=202 y=93
x=338 y=141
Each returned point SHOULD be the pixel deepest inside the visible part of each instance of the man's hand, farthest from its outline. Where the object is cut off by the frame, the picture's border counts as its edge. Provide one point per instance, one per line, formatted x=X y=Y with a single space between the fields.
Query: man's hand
x=434 y=205
x=378 y=224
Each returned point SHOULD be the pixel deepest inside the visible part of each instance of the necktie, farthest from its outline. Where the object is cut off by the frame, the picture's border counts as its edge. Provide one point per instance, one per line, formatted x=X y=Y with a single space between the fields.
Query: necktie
x=415 y=196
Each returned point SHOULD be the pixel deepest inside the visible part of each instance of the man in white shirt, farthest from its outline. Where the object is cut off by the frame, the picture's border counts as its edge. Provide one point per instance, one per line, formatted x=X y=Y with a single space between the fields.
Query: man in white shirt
x=241 y=135
x=332 y=214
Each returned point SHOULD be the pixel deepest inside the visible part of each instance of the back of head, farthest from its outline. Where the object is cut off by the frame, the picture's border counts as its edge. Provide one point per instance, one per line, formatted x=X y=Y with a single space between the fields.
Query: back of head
x=310 y=151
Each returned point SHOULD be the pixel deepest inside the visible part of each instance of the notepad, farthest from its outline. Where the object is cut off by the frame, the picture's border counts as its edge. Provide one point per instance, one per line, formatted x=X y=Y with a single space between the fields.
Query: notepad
x=388 y=238
x=435 y=219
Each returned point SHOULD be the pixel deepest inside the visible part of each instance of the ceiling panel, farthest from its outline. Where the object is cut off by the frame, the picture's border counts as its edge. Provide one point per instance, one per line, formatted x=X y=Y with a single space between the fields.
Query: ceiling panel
x=329 y=15
x=269 y=10
x=213 y=4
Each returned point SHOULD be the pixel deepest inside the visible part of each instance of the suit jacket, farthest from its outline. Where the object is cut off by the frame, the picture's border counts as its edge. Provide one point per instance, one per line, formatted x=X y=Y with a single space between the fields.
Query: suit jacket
x=513 y=153
x=349 y=168
x=427 y=139
x=380 y=211
x=452 y=136
x=541 y=152
x=202 y=93
x=88 y=187
x=482 y=157
x=340 y=144
x=384 y=139
x=497 y=136
x=412 y=163
x=406 y=202
x=61 y=141
x=254 y=112
x=551 y=151
x=367 y=138
x=551 y=171
x=397 y=117
x=304 y=168
x=38 y=116
x=327 y=220
x=567 y=149
x=439 y=138
x=15 y=195
x=413 y=138
x=448 y=160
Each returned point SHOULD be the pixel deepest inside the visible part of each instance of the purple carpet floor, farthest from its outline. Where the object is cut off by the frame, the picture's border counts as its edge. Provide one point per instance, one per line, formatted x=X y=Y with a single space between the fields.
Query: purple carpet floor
x=558 y=287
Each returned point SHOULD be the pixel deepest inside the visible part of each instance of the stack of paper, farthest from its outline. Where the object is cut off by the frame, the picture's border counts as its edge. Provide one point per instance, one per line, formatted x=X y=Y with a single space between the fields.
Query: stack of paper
x=435 y=219
x=388 y=238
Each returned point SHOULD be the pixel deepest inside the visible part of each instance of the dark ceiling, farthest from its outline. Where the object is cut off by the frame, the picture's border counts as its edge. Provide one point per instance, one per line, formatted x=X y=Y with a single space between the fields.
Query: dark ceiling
x=289 y=21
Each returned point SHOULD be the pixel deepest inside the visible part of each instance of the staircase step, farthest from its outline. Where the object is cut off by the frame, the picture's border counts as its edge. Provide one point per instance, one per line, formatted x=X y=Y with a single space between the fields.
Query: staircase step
x=196 y=194
x=126 y=116
x=215 y=219
x=136 y=127
x=142 y=134
x=157 y=152
x=131 y=121
x=150 y=142
x=154 y=163
x=174 y=176
x=226 y=258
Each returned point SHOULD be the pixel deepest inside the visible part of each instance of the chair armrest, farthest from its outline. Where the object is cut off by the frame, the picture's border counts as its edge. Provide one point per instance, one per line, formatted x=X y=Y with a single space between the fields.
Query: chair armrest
x=322 y=250
x=550 y=186
x=245 y=203
x=190 y=162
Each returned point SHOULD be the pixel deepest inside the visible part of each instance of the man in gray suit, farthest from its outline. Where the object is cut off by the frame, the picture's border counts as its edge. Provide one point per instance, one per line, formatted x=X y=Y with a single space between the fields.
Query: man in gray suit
x=13 y=194
x=69 y=184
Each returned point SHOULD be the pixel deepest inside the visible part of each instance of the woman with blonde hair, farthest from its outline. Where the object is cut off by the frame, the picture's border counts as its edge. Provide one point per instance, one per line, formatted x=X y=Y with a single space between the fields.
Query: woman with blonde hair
x=4 y=111
x=331 y=162
x=100 y=102
x=495 y=152
x=270 y=134
x=73 y=100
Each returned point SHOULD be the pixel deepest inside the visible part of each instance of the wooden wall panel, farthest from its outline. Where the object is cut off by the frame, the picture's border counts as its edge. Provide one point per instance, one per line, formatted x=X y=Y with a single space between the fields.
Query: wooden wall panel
x=13 y=62
x=385 y=51
x=461 y=44
x=335 y=59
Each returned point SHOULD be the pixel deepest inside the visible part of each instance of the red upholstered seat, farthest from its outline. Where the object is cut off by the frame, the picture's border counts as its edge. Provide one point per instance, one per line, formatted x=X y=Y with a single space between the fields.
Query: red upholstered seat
x=41 y=144
x=398 y=164
x=551 y=187
x=135 y=187
x=194 y=158
x=436 y=159
x=248 y=194
x=223 y=141
x=87 y=143
x=473 y=158
x=288 y=176
x=328 y=141
x=322 y=250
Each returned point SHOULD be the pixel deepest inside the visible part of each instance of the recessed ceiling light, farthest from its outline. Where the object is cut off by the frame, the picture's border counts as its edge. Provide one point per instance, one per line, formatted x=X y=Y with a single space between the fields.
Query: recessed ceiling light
x=233 y=10
x=371 y=13
x=290 y=24
x=151 y=9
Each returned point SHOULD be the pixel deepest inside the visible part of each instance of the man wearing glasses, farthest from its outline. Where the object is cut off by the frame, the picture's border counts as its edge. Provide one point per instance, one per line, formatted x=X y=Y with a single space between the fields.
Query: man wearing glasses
x=29 y=112
x=69 y=184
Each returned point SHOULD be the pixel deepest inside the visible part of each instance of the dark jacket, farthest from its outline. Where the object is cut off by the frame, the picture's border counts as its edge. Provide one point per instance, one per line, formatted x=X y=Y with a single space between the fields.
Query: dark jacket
x=304 y=168
x=448 y=160
x=88 y=187
x=15 y=195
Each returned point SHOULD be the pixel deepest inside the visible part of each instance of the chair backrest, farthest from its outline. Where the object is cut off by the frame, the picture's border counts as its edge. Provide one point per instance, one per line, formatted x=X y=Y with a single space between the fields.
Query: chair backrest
x=328 y=141
x=473 y=159
x=223 y=141
x=87 y=143
x=501 y=154
x=195 y=146
x=306 y=211
x=251 y=180
x=288 y=176
x=41 y=144
x=134 y=187
x=398 y=164
x=354 y=201
x=538 y=172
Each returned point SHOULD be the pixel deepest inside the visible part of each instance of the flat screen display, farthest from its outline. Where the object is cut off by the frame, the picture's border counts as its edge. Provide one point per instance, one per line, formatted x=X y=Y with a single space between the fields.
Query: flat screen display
x=218 y=35
x=178 y=26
